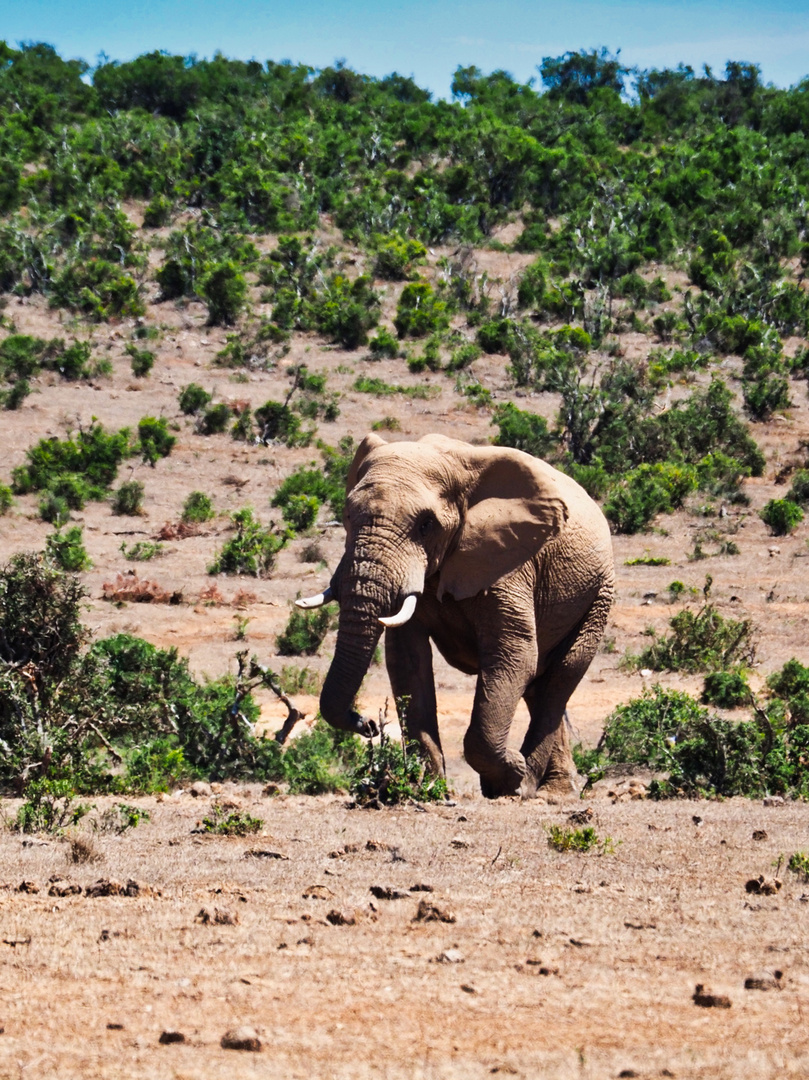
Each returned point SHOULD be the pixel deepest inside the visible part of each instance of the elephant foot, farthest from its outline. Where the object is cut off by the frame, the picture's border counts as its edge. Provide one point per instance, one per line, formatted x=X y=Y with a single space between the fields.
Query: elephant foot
x=560 y=786
x=509 y=783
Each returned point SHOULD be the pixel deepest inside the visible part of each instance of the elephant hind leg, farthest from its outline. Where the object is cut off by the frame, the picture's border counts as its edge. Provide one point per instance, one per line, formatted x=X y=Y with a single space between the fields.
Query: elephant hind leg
x=546 y=746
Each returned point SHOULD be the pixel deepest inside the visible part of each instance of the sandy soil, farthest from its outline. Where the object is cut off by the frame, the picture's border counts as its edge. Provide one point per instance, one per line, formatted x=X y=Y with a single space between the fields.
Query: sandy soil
x=631 y=933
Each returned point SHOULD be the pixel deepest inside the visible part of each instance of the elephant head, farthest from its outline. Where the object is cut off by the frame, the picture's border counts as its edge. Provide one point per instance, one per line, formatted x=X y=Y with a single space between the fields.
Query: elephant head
x=466 y=516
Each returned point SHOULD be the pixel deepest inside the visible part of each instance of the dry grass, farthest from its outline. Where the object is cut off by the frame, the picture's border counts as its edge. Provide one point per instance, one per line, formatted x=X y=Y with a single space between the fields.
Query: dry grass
x=557 y=965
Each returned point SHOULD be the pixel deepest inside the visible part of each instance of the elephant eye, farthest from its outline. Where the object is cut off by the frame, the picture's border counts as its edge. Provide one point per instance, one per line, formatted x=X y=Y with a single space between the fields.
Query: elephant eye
x=426 y=524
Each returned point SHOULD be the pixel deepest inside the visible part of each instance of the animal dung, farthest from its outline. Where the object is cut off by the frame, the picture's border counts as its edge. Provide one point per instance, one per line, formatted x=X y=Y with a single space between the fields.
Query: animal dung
x=168 y=1037
x=707 y=1000
x=762 y=886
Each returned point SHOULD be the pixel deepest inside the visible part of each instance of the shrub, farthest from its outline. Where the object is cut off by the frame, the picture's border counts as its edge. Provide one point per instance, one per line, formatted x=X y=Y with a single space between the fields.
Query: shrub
x=700 y=641
x=6 y=499
x=224 y=290
x=394 y=772
x=300 y=512
x=463 y=356
x=799 y=491
x=305 y=630
x=157 y=212
x=74 y=362
x=251 y=551
x=384 y=345
x=647 y=491
x=781 y=516
x=766 y=395
x=193 y=398
x=155 y=440
x=197 y=508
x=49 y=807
x=141 y=550
x=420 y=312
x=320 y=761
x=667 y=730
x=215 y=419
x=726 y=689
x=277 y=422
x=142 y=360
x=128 y=499
x=562 y=838
x=91 y=453
x=235 y=823
x=495 y=336
x=54 y=509
x=523 y=431
x=396 y=256
x=67 y=550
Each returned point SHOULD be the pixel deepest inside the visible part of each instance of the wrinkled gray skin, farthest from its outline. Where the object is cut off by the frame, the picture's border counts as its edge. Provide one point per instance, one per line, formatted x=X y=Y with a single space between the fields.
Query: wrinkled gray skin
x=511 y=564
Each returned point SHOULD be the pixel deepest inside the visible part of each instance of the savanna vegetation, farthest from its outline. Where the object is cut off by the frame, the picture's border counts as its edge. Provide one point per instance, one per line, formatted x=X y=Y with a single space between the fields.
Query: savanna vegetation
x=668 y=206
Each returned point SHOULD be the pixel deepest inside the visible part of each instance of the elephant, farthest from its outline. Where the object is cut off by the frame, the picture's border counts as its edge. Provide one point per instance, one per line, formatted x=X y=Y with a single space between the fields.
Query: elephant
x=505 y=564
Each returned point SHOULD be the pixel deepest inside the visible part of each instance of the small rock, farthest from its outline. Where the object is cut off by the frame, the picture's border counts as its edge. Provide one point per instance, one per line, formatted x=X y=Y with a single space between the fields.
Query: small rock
x=376 y=845
x=105 y=887
x=421 y=887
x=581 y=817
x=168 y=1037
x=774 y=550
x=762 y=886
x=759 y=834
x=263 y=853
x=341 y=918
x=112 y=1026
x=219 y=917
x=646 y=673
x=764 y=980
x=774 y=800
x=271 y=789
x=318 y=892
x=467 y=989
x=242 y=1038
x=697 y=819
x=706 y=1000
x=428 y=912
x=450 y=956
x=382 y=892
x=458 y=842
x=28 y=887
x=64 y=888
x=200 y=789
x=140 y=888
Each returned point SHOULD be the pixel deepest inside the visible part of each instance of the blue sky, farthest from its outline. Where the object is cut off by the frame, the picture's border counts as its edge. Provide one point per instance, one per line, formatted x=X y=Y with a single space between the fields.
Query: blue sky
x=427 y=39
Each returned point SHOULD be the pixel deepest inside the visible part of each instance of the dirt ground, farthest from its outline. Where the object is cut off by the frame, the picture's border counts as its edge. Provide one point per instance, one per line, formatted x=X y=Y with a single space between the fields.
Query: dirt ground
x=624 y=937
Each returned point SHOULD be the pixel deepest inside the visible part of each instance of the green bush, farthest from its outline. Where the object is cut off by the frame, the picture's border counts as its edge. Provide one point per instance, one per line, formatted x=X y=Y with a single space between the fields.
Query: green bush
x=396 y=256
x=420 y=312
x=305 y=630
x=799 y=490
x=726 y=689
x=67 y=550
x=766 y=395
x=141 y=550
x=701 y=640
x=394 y=772
x=91 y=454
x=463 y=356
x=197 y=508
x=224 y=290
x=278 y=423
x=313 y=484
x=300 y=512
x=157 y=213
x=54 y=509
x=647 y=491
x=667 y=730
x=321 y=761
x=142 y=360
x=523 y=431
x=128 y=499
x=236 y=823
x=384 y=345
x=193 y=398
x=215 y=419
x=6 y=499
x=154 y=438
x=781 y=516
x=565 y=838
x=252 y=550
x=495 y=336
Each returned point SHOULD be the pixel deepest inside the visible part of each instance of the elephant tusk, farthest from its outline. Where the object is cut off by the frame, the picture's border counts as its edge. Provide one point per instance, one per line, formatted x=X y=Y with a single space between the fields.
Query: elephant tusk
x=404 y=614
x=318 y=600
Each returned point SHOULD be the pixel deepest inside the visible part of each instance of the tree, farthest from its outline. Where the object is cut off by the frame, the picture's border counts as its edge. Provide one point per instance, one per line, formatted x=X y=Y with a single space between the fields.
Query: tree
x=575 y=75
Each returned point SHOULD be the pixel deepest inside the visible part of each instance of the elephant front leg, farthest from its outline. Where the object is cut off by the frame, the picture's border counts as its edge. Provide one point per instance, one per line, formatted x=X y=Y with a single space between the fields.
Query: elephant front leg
x=503 y=771
x=409 y=661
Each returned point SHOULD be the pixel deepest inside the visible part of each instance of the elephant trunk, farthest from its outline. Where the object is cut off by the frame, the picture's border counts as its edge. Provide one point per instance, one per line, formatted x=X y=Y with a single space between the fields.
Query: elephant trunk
x=357 y=638
x=366 y=600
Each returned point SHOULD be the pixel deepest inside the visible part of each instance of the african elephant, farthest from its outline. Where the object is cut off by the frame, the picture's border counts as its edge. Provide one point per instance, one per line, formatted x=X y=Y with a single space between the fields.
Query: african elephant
x=500 y=560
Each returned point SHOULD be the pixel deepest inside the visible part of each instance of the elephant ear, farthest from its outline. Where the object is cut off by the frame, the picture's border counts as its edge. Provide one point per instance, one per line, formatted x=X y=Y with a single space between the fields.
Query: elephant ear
x=514 y=505
x=369 y=443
